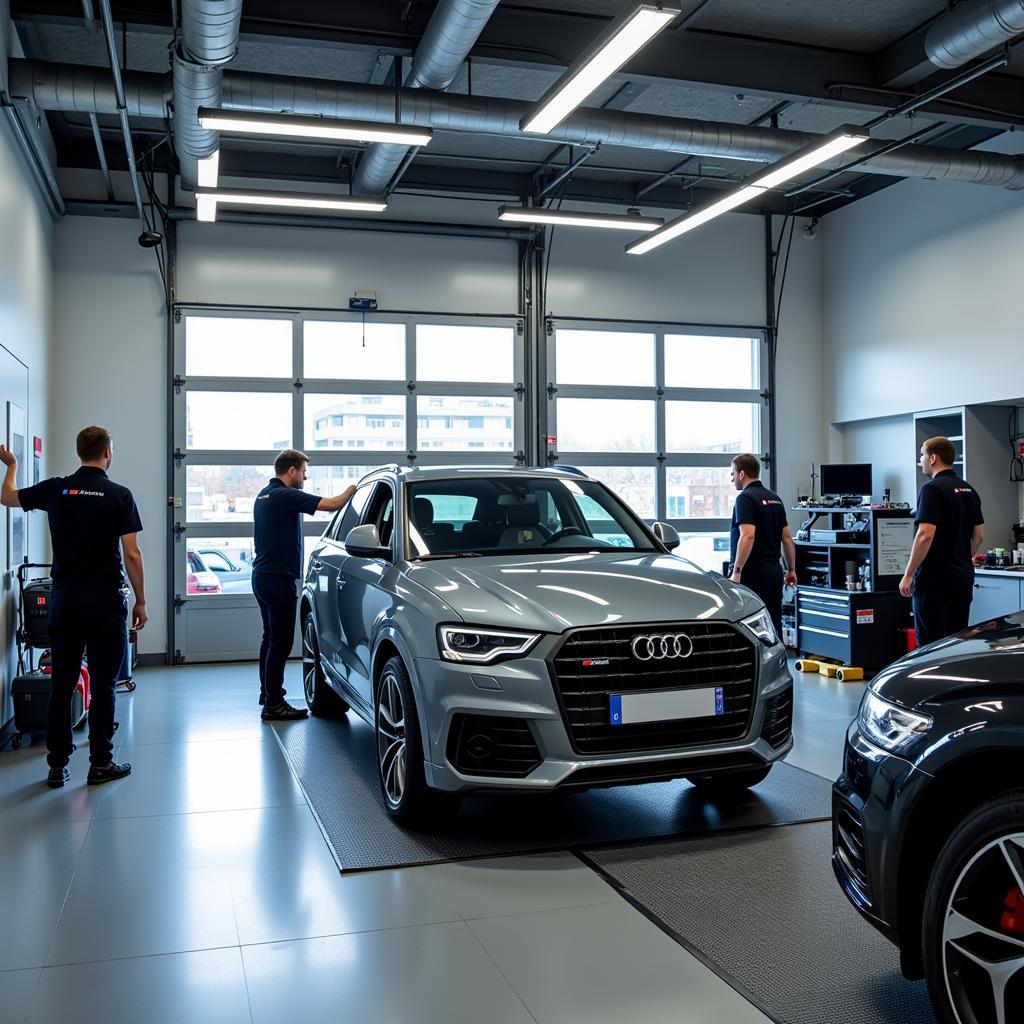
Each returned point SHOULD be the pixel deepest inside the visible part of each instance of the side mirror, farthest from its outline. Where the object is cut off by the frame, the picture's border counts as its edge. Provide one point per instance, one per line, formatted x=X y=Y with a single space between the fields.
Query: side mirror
x=667 y=535
x=364 y=542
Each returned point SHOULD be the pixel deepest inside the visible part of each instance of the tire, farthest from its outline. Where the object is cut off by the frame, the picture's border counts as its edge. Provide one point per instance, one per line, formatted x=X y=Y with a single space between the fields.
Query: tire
x=977 y=878
x=403 y=785
x=320 y=698
x=729 y=781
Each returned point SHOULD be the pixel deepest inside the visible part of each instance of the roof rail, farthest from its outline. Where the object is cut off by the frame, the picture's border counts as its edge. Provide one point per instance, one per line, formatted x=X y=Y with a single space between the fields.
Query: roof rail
x=392 y=467
x=575 y=470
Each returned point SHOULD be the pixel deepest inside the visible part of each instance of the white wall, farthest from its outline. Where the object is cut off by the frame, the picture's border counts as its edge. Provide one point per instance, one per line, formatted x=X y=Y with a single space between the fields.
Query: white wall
x=109 y=359
x=920 y=298
x=888 y=443
x=26 y=232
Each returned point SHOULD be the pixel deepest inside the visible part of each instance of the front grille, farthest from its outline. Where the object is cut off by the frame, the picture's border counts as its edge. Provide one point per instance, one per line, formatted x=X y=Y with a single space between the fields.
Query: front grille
x=492 y=745
x=721 y=656
x=778 y=719
x=848 y=835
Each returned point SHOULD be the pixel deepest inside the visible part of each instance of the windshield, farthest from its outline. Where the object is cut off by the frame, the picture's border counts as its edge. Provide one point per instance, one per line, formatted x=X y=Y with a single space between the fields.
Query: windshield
x=517 y=515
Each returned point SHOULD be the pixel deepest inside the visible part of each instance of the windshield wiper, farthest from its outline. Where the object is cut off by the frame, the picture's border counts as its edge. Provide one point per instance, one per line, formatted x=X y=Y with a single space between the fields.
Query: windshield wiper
x=447 y=554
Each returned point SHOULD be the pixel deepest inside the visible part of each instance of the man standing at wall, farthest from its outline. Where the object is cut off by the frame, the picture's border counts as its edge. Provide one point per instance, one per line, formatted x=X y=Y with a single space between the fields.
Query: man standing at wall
x=759 y=533
x=278 y=564
x=950 y=530
x=88 y=515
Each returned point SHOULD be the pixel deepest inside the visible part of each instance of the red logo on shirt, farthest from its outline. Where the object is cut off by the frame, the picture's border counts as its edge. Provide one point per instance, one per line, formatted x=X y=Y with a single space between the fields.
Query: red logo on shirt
x=72 y=492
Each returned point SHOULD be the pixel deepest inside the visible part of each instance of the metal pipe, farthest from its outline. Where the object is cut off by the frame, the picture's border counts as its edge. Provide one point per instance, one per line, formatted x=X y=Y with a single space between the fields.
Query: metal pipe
x=101 y=154
x=451 y=32
x=122 y=106
x=971 y=29
x=558 y=179
x=54 y=87
x=916 y=102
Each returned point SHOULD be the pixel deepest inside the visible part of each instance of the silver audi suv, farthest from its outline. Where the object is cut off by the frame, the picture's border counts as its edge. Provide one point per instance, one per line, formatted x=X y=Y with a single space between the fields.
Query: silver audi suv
x=507 y=629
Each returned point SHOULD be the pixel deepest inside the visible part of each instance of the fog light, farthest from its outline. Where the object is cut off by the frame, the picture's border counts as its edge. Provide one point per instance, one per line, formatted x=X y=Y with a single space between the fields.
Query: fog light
x=480 y=746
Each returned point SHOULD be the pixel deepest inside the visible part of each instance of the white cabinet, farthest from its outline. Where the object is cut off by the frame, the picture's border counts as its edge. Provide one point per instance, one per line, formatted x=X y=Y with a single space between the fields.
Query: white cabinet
x=994 y=596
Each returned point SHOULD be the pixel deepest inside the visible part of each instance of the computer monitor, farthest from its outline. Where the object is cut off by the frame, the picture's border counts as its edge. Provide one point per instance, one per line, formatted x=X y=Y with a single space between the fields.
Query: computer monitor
x=846 y=478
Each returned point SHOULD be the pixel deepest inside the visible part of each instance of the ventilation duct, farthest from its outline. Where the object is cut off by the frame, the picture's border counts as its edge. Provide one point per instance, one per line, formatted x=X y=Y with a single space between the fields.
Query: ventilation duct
x=971 y=29
x=88 y=90
x=450 y=34
x=209 y=39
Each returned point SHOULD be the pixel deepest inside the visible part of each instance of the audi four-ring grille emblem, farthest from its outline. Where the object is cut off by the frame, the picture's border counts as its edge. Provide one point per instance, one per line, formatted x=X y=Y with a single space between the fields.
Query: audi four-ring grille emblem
x=664 y=645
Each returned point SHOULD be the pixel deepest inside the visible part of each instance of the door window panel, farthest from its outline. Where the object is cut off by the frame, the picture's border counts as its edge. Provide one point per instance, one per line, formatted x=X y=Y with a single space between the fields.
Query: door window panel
x=238 y=421
x=711 y=426
x=699 y=492
x=605 y=425
x=218 y=565
x=354 y=422
x=620 y=358
x=471 y=354
x=633 y=484
x=223 y=494
x=699 y=361
x=237 y=347
x=353 y=351
x=351 y=513
x=327 y=481
x=460 y=423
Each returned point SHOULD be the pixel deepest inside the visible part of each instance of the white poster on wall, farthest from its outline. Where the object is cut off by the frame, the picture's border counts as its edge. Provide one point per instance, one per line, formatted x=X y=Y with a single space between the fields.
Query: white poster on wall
x=895 y=539
x=17 y=543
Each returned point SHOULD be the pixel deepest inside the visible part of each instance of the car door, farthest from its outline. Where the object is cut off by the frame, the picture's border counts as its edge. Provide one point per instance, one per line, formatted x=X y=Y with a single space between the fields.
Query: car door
x=362 y=594
x=325 y=562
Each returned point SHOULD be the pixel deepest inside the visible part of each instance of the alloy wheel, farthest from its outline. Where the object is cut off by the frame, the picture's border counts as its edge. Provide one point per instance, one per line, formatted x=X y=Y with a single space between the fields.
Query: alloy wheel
x=983 y=936
x=310 y=660
x=391 y=743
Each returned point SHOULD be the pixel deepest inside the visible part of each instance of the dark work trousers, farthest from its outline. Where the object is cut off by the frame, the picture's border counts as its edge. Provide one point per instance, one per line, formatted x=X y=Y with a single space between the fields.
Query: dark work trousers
x=85 y=618
x=768 y=587
x=278 y=601
x=940 y=610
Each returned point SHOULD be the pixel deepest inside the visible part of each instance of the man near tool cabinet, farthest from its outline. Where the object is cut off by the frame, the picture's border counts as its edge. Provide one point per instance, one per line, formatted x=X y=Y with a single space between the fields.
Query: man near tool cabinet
x=759 y=533
x=950 y=530
x=92 y=519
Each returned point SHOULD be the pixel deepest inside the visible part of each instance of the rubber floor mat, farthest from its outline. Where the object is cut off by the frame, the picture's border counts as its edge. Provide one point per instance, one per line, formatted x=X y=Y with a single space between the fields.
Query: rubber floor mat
x=764 y=910
x=335 y=763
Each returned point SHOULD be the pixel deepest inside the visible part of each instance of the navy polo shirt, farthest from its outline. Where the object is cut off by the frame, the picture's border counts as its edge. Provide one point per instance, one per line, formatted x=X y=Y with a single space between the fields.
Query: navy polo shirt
x=88 y=515
x=763 y=509
x=953 y=507
x=279 y=530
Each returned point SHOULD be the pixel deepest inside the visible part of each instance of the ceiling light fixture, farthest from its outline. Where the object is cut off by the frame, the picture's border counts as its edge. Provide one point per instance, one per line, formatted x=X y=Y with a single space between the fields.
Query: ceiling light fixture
x=209 y=167
x=206 y=208
x=818 y=152
x=291 y=200
x=536 y=215
x=294 y=126
x=624 y=36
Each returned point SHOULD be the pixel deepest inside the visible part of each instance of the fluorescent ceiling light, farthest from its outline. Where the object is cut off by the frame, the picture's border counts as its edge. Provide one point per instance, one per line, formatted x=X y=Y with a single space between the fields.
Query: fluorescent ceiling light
x=293 y=126
x=293 y=200
x=208 y=169
x=206 y=208
x=535 y=215
x=689 y=221
x=624 y=37
x=818 y=152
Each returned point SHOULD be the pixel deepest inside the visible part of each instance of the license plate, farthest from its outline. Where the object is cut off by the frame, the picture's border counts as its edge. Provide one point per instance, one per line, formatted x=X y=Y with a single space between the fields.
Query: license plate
x=665 y=705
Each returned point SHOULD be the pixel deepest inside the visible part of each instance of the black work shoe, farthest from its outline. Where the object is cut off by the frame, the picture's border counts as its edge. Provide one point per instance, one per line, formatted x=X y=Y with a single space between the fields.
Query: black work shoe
x=57 y=777
x=107 y=773
x=282 y=712
x=263 y=700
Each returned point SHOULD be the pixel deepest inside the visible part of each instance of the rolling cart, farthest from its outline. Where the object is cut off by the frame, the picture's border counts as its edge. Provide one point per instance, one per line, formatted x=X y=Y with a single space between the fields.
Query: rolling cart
x=30 y=689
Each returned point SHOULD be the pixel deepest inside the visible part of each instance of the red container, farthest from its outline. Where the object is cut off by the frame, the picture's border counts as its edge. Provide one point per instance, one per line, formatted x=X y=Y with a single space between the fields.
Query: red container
x=909 y=639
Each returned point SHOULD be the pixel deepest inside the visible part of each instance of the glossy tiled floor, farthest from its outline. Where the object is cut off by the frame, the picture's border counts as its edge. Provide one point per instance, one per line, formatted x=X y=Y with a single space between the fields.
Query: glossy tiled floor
x=200 y=889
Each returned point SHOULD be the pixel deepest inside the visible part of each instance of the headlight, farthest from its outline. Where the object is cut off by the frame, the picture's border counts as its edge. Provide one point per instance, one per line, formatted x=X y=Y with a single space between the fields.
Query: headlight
x=887 y=725
x=458 y=643
x=762 y=627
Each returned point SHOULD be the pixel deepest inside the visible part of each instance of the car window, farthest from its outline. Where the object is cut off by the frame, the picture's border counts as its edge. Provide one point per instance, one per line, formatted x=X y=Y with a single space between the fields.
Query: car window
x=217 y=562
x=380 y=512
x=601 y=524
x=348 y=517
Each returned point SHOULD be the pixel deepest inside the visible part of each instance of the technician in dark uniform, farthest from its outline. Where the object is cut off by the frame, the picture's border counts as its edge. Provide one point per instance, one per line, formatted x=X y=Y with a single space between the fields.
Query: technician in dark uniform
x=950 y=530
x=759 y=533
x=88 y=515
x=276 y=567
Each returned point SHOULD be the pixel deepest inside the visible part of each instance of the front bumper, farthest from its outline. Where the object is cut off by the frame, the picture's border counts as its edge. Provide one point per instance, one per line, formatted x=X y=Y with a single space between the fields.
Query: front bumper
x=522 y=691
x=868 y=802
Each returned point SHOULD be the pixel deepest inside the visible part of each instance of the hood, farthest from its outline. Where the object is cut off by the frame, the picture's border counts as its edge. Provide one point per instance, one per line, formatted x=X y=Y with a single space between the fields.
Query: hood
x=985 y=659
x=552 y=594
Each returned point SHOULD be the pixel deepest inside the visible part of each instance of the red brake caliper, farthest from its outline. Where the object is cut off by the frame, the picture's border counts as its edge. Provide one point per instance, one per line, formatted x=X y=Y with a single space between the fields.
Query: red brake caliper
x=1013 y=914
